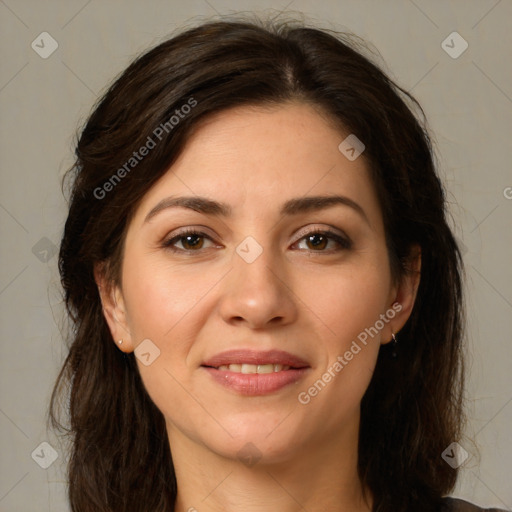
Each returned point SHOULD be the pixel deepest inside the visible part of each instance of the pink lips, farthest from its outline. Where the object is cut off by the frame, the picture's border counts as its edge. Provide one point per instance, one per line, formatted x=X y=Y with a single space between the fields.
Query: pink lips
x=240 y=356
x=254 y=383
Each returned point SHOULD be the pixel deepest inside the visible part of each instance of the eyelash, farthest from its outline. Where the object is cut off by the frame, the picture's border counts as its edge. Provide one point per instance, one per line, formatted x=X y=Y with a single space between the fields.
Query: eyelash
x=344 y=242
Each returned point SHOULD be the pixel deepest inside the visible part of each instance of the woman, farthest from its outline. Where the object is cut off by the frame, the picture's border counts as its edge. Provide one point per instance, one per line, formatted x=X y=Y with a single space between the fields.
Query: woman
x=265 y=292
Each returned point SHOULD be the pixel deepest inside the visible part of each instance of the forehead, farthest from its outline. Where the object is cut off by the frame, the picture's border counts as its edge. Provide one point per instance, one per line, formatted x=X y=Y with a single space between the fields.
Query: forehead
x=249 y=156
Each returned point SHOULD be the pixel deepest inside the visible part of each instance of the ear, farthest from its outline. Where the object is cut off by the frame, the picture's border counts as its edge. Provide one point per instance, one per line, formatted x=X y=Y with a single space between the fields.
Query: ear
x=403 y=294
x=114 y=310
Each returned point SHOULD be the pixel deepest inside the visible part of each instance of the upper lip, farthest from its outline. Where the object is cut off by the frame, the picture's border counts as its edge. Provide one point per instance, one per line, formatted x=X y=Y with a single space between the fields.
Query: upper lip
x=241 y=356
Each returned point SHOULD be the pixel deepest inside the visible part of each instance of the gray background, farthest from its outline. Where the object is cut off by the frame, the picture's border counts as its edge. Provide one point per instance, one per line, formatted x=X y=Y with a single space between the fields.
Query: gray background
x=467 y=101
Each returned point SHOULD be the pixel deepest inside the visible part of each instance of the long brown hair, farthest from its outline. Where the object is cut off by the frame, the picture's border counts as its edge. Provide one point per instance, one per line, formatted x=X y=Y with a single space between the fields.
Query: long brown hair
x=120 y=457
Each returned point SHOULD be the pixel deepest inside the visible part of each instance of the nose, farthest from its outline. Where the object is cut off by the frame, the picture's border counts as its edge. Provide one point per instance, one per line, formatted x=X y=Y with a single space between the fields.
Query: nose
x=258 y=294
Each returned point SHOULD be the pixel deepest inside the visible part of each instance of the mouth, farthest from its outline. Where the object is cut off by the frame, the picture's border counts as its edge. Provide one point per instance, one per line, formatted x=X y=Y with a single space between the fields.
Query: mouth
x=252 y=361
x=247 y=368
x=249 y=372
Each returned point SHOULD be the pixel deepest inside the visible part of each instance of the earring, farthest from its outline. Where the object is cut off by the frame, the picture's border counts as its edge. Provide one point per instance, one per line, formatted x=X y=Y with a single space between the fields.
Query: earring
x=394 y=353
x=120 y=342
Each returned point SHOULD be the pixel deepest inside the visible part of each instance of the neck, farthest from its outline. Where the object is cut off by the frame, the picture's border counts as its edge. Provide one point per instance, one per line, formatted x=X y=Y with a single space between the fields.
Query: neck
x=321 y=476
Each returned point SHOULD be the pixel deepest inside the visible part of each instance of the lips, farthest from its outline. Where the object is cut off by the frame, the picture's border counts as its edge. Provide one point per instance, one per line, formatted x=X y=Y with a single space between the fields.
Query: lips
x=247 y=369
x=249 y=372
x=248 y=358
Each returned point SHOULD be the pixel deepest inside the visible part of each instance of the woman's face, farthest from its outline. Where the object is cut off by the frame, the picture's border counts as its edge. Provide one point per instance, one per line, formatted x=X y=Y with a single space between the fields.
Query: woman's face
x=260 y=283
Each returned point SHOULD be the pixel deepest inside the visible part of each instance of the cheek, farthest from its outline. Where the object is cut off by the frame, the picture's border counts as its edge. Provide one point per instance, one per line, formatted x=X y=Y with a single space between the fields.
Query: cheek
x=164 y=305
x=347 y=300
x=350 y=303
x=160 y=299
x=169 y=306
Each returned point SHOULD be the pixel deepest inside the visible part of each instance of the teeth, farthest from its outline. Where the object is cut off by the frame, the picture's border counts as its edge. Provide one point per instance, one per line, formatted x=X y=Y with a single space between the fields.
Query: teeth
x=265 y=368
x=249 y=368
x=254 y=368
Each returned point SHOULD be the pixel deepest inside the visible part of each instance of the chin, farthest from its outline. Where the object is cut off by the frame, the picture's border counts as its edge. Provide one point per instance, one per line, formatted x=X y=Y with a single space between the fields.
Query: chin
x=265 y=439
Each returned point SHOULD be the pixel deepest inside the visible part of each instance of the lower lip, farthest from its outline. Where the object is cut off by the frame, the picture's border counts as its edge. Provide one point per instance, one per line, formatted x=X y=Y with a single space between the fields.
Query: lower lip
x=254 y=384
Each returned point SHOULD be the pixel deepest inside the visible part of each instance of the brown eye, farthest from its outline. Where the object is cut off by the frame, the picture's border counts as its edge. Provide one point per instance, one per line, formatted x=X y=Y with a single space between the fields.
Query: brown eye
x=191 y=241
x=318 y=241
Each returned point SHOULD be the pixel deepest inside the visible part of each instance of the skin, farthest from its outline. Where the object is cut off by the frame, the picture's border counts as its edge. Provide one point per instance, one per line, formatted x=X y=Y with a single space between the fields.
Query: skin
x=310 y=300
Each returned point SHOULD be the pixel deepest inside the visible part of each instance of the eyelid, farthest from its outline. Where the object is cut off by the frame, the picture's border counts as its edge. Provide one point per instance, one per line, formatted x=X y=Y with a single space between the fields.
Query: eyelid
x=318 y=228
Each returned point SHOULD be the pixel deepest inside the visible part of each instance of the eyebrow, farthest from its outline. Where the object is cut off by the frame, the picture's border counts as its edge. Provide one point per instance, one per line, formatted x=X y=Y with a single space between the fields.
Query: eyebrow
x=291 y=207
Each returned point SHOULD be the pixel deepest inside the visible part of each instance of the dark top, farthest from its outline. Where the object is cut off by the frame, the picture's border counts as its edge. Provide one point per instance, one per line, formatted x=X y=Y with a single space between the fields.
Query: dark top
x=457 y=505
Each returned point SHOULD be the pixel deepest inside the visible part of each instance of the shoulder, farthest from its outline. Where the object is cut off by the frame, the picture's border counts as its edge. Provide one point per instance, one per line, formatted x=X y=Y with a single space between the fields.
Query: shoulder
x=458 y=505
